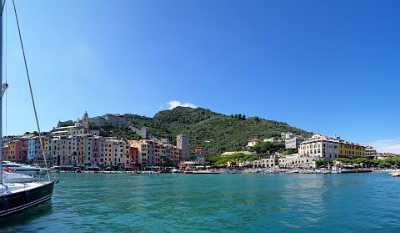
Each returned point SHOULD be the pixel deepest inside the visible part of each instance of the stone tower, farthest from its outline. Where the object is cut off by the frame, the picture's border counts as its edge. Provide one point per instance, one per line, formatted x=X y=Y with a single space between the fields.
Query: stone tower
x=182 y=143
x=85 y=121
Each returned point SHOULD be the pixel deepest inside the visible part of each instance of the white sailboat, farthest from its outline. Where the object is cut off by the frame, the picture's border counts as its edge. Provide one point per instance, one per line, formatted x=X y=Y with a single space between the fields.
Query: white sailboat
x=17 y=191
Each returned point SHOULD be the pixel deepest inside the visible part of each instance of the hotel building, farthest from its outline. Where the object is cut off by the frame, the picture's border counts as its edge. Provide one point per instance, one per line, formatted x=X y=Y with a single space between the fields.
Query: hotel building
x=320 y=147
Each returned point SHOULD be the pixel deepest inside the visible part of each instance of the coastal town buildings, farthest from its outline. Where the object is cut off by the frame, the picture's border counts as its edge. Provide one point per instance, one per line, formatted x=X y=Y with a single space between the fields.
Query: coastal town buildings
x=329 y=149
x=80 y=146
x=77 y=144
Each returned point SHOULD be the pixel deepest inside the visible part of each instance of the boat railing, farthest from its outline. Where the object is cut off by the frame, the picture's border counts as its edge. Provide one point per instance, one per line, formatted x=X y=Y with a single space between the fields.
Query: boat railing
x=32 y=177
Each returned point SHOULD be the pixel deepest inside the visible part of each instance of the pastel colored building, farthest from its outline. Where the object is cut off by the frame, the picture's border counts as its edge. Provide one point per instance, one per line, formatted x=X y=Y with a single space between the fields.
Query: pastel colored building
x=34 y=149
x=349 y=149
x=132 y=160
x=115 y=151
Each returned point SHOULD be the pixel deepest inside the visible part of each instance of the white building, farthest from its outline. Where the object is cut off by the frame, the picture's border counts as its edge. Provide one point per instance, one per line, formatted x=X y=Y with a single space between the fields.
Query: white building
x=297 y=161
x=370 y=151
x=273 y=140
x=253 y=142
x=270 y=162
x=293 y=143
x=320 y=147
x=239 y=152
x=286 y=135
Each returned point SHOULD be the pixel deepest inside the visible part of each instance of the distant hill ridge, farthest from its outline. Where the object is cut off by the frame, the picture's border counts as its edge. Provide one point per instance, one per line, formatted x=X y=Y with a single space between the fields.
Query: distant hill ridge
x=215 y=131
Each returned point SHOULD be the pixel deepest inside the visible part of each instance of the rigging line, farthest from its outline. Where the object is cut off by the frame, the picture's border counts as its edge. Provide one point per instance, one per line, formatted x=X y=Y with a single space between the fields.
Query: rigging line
x=30 y=88
x=1 y=98
x=3 y=4
x=6 y=64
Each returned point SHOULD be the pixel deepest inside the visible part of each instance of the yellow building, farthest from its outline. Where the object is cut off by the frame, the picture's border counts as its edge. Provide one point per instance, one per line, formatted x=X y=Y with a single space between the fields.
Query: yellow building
x=45 y=145
x=349 y=149
x=10 y=152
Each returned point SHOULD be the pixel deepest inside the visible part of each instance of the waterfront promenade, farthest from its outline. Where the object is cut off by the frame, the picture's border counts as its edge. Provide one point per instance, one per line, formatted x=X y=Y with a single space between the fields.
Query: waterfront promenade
x=216 y=203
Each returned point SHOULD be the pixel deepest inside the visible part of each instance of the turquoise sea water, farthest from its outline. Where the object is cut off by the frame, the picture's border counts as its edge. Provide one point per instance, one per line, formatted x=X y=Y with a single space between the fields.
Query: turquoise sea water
x=216 y=203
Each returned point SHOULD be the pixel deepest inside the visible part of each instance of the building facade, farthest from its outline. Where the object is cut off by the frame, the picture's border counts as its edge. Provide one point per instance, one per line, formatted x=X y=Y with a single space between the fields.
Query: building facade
x=293 y=143
x=320 y=148
x=270 y=162
x=298 y=161
x=182 y=142
x=370 y=152
x=349 y=149
x=33 y=149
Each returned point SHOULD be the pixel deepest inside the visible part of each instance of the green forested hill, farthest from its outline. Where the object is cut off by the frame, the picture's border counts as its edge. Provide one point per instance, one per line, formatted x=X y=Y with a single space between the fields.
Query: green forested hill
x=217 y=132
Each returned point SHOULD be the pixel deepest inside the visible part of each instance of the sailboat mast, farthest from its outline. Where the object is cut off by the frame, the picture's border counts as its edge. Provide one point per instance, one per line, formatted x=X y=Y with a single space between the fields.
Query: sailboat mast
x=2 y=90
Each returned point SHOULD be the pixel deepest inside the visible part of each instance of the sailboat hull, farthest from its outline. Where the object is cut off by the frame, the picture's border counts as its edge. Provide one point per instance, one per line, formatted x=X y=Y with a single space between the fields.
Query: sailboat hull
x=21 y=200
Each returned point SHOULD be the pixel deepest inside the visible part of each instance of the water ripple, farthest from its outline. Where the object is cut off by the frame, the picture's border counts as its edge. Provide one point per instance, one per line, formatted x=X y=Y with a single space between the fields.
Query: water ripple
x=223 y=203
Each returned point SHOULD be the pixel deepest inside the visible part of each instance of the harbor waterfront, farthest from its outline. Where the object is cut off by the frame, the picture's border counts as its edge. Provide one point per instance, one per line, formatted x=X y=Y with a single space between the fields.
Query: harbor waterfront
x=216 y=203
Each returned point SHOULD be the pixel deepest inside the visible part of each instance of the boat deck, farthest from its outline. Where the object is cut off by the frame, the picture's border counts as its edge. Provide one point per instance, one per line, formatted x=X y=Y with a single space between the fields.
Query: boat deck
x=10 y=188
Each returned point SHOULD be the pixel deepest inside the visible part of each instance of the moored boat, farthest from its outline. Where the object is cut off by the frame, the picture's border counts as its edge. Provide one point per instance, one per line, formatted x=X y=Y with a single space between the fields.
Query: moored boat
x=18 y=192
x=16 y=197
x=395 y=173
x=356 y=170
x=206 y=172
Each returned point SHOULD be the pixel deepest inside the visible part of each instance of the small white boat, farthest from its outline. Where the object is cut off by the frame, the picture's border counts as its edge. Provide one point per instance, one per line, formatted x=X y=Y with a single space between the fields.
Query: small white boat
x=206 y=172
x=150 y=172
x=395 y=173
x=292 y=172
x=336 y=170
x=175 y=170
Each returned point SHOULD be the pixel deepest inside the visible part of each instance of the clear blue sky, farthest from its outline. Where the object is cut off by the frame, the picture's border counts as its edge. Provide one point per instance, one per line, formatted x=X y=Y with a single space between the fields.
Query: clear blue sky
x=325 y=66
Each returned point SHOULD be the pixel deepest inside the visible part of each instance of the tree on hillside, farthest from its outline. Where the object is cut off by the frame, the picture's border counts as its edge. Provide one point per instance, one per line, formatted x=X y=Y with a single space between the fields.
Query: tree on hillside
x=268 y=148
